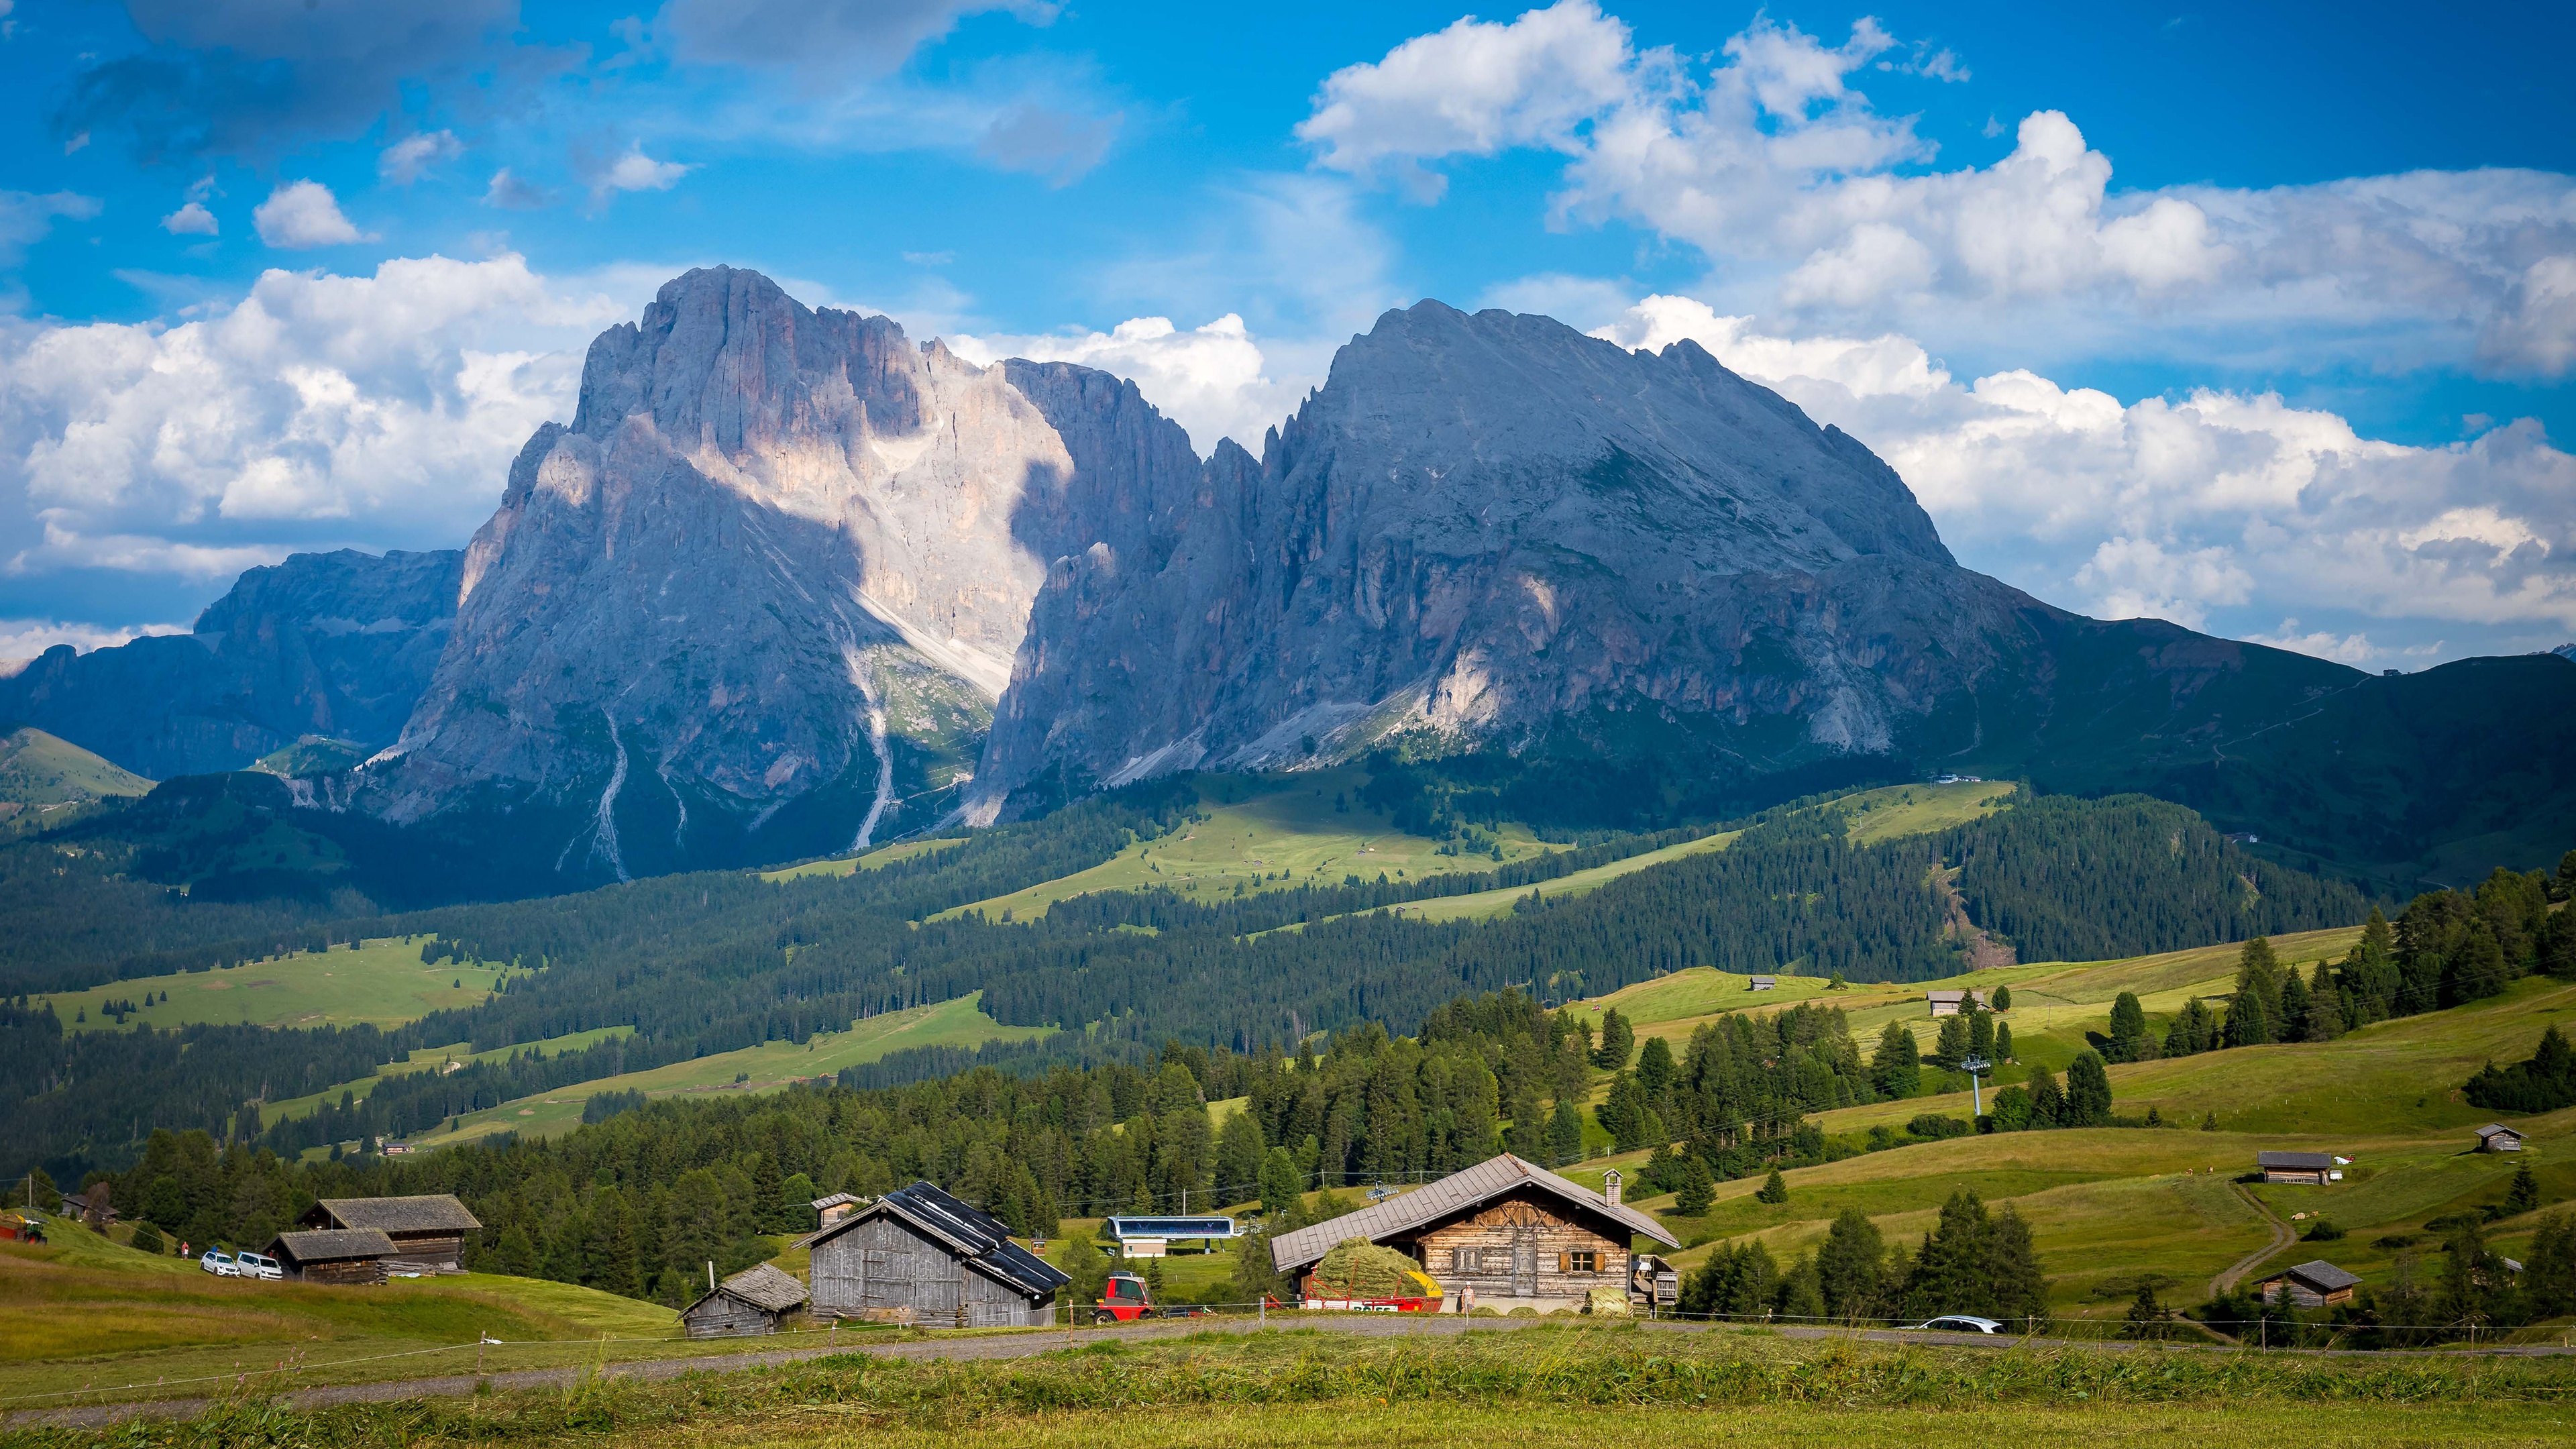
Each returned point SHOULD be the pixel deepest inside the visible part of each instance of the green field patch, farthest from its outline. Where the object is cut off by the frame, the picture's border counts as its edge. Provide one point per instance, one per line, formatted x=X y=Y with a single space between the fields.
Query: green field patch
x=439 y=1058
x=41 y=774
x=1896 y=811
x=853 y=864
x=381 y=982
x=770 y=1067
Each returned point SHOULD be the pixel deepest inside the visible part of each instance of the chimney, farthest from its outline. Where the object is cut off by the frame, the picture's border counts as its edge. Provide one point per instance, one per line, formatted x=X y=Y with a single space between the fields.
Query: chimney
x=1610 y=1186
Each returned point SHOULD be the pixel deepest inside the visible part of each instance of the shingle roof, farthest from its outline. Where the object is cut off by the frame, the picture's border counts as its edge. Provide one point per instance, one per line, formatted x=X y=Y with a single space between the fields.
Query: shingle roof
x=836 y=1200
x=325 y=1244
x=2497 y=1129
x=433 y=1213
x=981 y=1239
x=2321 y=1275
x=2295 y=1161
x=1953 y=996
x=766 y=1285
x=1460 y=1189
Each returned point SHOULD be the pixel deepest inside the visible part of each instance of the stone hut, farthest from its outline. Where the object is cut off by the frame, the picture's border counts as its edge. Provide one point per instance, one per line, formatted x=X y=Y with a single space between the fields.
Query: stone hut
x=1508 y=1232
x=333 y=1255
x=428 y=1232
x=750 y=1302
x=919 y=1256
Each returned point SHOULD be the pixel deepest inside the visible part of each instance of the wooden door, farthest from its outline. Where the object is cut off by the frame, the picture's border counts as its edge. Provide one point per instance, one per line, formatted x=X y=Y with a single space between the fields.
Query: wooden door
x=1525 y=1263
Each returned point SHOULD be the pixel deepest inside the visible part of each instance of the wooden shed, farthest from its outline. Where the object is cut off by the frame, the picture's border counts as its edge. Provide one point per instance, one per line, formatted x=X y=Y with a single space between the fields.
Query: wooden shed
x=1510 y=1232
x=831 y=1209
x=333 y=1255
x=2497 y=1137
x=1762 y=983
x=2315 y=1169
x=2311 y=1285
x=919 y=1256
x=750 y=1302
x=428 y=1232
x=1951 y=1003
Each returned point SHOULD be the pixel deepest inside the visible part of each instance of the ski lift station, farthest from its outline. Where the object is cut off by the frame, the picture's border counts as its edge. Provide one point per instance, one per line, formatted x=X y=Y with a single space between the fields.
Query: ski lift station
x=1153 y=1237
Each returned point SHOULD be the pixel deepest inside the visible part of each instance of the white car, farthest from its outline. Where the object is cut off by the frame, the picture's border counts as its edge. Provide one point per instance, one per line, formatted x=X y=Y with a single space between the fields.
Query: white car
x=219 y=1263
x=1956 y=1323
x=258 y=1265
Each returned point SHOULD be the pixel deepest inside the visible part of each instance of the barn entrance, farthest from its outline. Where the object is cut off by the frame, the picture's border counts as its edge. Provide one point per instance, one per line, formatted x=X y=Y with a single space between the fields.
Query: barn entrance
x=1525 y=1262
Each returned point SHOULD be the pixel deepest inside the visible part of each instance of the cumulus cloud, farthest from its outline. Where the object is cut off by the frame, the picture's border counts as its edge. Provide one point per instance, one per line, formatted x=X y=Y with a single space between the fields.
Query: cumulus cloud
x=633 y=171
x=26 y=217
x=381 y=408
x=2201 y=508
x=300 y=214
x=24 y=639
x=510 y=193
x=403 y=162
x=1771 y=159
x=191 y=220
x=1211 y=380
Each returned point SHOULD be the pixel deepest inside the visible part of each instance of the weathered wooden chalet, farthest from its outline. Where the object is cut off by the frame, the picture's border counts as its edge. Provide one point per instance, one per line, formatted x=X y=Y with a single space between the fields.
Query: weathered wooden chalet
x=2315 y=1169
x=1951 y=1003
x=2311 y=1285
x=750 y=1302
x=428 y=1232
x=333 y=1255
x=1762 y=983
x=830 y=1210
x=1508 y=1232
x=920 y=1256
x=2497 y=1137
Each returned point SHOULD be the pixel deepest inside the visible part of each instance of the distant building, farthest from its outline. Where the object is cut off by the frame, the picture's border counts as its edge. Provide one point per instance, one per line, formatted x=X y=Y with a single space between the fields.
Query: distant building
x=1951 y=1003
x=2311 y=1285
x=1762 y=983
x=2314 y=1169
x=427 y=1232
x=2243 y=837
x=1507 y=1231
x=830 y=1210
x=2496 y=1137
x=920 y=1256
x=750 y=1302
x=333 y=1255
x=1146 y=1237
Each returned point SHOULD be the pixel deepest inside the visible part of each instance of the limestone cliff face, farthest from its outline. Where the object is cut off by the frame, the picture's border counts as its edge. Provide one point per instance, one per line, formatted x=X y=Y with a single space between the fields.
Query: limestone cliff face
x=758 y=599
x=1494 y=531
x=333 y=644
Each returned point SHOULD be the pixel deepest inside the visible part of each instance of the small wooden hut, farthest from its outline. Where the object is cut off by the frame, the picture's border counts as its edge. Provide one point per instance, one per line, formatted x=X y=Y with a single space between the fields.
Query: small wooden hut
x=920 y=1256
x=333 y=1255
x=2315 y=1169
x=2497 y=1137
x=428 y=1232
x=750 y=1302
x=2319 y=1284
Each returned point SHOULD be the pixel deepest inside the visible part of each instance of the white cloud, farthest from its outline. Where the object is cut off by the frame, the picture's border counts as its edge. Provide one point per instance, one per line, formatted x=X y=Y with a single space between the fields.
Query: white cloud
x=1210 y=380
x=509 y=193
x=300 y=214
x=1057 y=146
x=25 y=218
x=2199 y=508
x=634 y=171
x=2353 y=649
x=1770 y=161
x=403 y=162
x=191 y=220
x=381 y=408
x=24 y=639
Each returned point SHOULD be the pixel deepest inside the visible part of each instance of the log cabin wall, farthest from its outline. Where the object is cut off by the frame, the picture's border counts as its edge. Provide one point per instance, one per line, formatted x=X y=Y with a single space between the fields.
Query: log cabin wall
x=885 y=1270
x=722 y=1315
x=1521 y=1248
x=430 y=1252
x=341 y=1271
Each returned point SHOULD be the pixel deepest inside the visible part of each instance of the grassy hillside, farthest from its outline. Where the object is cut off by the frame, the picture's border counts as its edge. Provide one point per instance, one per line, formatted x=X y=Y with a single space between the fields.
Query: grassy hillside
x=425 y=1059
x=767 y=1068
x=44 y=779
x=381 y=982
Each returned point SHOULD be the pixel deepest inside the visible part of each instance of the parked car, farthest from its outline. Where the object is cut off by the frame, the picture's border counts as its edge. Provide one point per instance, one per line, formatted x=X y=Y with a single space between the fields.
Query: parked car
x=1957 y=1323
x=219 y=1263
x=258 y=1265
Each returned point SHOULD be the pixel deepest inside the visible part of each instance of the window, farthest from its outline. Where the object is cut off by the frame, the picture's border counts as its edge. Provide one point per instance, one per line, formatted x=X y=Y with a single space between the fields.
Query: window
x=1583 y=1262
x=1466 y=1260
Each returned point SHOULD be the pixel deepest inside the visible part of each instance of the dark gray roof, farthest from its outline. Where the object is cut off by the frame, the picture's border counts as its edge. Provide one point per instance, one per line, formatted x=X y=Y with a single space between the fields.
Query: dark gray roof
x=2321 y=1275
x=326 y=1244
x=1461 y=1189
x=2497 y=1129
x=433 y=1213
x=764 y=1286
x=976 y=1236
x=2295 y=1161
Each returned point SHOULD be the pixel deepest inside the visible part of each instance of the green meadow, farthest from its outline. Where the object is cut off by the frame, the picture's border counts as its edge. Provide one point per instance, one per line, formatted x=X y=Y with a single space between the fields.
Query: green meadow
x=380 y=982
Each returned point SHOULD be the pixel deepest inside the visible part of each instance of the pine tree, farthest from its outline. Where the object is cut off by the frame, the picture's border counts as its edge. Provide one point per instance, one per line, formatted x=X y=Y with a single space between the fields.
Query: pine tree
x=2128 y=1027
x=1655 y=1068
x=2258 y=973
x=2021 y=1290
x=2325 y=1007
x=1774 y=1189
x=2003 y=998
x=2047 y=1103
x=2294 y=1008
x=1950 y=1046
x=1698 y=1190
x=1849 y=1265
x=2146 y=1318
x=2248 y=1022
x=2524 y=1195
x=2194 y=1030
x=1981 y=1034
x=2088 y=1092
x=1281 y=1187
x=2003 y=1042
x=2477 y=969
x=1617 y=1040
x=515 y=1255
x=1896 y=1067
x=1082 y=1261
x=147 y=1239
x=1565 y=1134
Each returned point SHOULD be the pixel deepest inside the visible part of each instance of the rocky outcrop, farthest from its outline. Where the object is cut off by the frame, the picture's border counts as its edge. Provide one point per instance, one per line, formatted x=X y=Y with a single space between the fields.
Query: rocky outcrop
x=331 y=644
x=1494 y=532
x=758 y=599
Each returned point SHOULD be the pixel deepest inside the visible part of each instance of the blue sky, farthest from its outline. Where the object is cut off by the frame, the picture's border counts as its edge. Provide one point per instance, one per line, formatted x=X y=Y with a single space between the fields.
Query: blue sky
x=2252 y=318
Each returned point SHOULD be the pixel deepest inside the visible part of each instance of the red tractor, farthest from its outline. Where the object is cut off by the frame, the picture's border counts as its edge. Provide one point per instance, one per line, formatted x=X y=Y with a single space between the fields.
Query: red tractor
x=1123 y=1298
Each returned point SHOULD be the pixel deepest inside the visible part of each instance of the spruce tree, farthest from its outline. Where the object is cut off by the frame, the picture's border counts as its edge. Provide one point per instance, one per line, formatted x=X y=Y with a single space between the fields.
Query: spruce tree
x=2146 y=1319
x=2088 y=1092
x=1774 y=1189
x=2294 y=1008
x=1950 y=1047
x=1698 y=1190
x=1896 y=1067
x=2258 y=972
x=2248 y=1022
x=2524 y=1195
x=2047 y=1103
x=2003 y=1041
x=1655 y=1068
x=1565 y=1134
x=1849 y=1265
x=2003 y=998
x=2325 y=1019
x=2477 y=969
x=1282 y=1188
x=1981 y=1034
x=1617 y=1040
x=2021 y=1290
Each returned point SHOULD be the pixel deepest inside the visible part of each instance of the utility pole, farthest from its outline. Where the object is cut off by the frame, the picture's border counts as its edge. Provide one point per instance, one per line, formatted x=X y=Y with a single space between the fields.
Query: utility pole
x=1976 y=1096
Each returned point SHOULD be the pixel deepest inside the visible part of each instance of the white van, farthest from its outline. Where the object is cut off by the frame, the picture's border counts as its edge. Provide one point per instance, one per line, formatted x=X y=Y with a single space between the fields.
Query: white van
x=258 y=1265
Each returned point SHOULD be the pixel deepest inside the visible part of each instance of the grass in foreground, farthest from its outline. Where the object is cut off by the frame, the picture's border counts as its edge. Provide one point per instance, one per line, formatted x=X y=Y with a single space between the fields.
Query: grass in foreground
x=1305 y=1386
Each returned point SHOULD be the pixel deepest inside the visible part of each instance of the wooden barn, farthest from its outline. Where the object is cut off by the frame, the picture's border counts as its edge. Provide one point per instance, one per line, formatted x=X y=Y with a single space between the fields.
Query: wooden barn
x=1508 y=1232
x=920 y=1256
x=333 y=1255
x=1951 y=1003
x=428 y=1233
x=750 y=1302
x=2314 y=1169
x=2311 y=1285
x=2497 y=1137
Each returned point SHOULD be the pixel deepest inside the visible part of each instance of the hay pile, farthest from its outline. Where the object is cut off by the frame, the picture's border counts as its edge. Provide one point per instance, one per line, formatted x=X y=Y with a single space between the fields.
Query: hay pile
x=1358 y=1268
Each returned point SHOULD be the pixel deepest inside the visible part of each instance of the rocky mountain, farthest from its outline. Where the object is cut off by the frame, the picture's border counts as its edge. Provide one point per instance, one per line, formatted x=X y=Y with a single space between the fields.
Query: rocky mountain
x=338 y=645
x=757 y=600
x=1494 y=534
